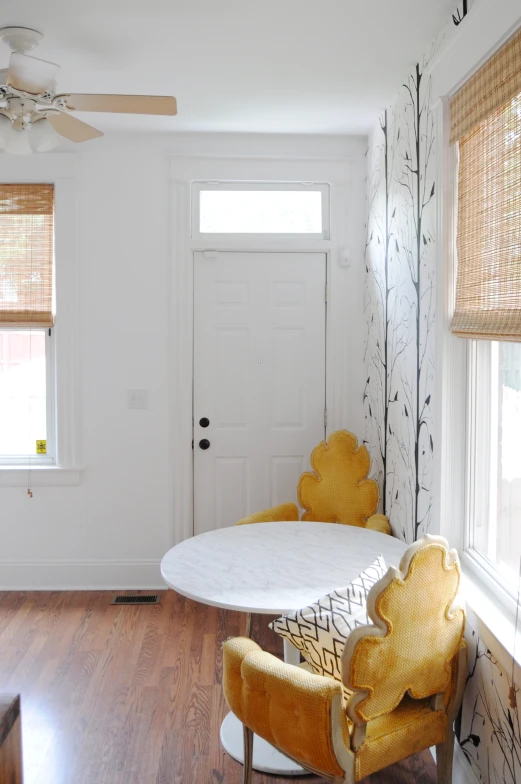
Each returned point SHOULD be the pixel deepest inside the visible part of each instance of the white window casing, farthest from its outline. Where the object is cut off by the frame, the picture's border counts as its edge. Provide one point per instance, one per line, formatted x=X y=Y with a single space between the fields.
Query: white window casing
x=62 y=465
x=199 y=187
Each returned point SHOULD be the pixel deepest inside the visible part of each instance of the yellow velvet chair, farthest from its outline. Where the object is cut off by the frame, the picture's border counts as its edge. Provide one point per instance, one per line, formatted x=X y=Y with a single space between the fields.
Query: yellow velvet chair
x=337 y=491
x=405 y=676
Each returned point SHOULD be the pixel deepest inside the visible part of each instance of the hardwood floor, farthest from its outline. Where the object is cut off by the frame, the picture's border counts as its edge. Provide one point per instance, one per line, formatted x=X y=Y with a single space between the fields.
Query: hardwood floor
x=130 y=695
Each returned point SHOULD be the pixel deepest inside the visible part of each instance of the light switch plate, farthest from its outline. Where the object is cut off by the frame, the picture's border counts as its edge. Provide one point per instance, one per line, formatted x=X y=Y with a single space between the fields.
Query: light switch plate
x=344 y=257
x=137 y=399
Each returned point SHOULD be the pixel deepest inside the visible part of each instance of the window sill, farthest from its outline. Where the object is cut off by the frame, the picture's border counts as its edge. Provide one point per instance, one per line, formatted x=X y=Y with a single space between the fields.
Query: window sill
x=493 y=621
x=40 y=476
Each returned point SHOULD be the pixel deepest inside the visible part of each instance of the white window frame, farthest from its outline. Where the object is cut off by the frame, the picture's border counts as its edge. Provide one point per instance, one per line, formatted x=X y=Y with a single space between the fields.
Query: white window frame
x=231 y=185
x=490 y=608
x=50 y=399
x=457 y=371
x=480 y=426
x=66 y=467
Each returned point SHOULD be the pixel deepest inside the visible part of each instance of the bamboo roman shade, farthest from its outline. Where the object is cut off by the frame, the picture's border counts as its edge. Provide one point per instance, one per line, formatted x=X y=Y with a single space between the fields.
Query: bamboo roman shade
x=26 y=254
x=493 y=86
x=486 y=121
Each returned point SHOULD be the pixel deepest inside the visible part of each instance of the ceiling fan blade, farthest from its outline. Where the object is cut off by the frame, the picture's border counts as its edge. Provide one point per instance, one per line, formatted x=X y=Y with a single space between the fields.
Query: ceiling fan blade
x=128 y=104
x=73 y=129
x=30 y=74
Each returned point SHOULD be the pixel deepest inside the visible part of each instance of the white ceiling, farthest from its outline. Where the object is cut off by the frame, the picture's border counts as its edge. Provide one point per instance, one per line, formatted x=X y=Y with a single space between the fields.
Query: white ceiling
x=301 y=66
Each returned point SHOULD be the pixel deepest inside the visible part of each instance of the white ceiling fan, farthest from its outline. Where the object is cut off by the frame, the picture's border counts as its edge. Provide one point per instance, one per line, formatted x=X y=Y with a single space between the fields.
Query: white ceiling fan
x=33 y=116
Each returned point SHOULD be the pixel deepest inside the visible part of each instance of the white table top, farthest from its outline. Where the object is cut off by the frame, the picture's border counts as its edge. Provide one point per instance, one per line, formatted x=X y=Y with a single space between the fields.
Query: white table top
x=273 y=567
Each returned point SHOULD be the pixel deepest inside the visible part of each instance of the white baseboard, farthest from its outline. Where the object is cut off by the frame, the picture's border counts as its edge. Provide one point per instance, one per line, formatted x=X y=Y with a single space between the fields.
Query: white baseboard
x=462 y=773
x=84 y=575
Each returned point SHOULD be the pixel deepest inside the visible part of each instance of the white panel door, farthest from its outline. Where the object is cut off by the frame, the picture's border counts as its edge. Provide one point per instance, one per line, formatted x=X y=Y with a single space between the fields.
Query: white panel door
x=259 y=378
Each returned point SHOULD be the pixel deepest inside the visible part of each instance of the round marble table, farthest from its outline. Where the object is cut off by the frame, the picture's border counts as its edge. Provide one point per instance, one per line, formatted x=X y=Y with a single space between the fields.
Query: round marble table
x=272 y=568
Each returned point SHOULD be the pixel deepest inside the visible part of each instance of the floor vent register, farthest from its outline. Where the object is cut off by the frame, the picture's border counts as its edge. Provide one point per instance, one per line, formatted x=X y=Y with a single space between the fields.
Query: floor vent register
x=153 y=599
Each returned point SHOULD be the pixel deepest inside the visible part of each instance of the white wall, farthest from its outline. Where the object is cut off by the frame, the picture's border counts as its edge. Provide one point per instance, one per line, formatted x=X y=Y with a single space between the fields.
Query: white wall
x=113 y=527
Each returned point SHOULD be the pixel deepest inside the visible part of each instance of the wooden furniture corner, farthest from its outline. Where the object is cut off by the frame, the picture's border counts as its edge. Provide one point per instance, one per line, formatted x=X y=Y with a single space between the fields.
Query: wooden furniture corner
x=10 y=740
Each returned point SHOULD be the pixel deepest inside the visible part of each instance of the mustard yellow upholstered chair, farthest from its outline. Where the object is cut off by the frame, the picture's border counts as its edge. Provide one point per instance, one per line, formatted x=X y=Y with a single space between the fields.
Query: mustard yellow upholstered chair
x=405 y=676
x=337 y=491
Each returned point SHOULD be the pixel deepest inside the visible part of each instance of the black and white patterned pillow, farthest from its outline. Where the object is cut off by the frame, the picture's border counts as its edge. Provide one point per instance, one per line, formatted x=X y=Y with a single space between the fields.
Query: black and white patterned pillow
x=320 y=630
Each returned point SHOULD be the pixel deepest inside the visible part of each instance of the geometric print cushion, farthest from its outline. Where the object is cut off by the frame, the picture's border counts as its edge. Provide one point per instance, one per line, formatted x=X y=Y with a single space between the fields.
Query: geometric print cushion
x=320 y=630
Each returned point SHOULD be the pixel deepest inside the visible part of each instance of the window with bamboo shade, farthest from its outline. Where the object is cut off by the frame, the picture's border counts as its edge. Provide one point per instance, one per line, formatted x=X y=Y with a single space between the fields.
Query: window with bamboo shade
x=26 y=255
x=486 y=123
x=486 y=126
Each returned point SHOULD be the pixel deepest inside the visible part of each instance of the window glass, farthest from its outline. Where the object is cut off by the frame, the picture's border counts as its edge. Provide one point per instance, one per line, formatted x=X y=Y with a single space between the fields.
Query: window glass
x=23 y=417
x=508 y=474
x=260 y=212
x=497 y=526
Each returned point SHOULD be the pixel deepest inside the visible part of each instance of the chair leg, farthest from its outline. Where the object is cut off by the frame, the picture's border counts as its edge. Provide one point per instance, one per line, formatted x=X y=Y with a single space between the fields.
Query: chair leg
x=248 y=754
x=444 y=759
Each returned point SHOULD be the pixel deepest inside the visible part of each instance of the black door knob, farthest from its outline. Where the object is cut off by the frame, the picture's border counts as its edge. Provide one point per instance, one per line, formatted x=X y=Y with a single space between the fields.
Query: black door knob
x=204 y=443
x=204 y=422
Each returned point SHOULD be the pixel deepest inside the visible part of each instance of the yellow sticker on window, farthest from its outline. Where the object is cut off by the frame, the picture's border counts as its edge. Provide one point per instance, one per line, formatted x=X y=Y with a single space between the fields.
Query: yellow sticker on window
x=41 y=447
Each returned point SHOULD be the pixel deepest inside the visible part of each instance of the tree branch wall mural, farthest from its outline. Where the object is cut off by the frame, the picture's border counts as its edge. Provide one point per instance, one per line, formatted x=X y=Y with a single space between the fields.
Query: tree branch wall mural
x=400 y=262
x=489 y=730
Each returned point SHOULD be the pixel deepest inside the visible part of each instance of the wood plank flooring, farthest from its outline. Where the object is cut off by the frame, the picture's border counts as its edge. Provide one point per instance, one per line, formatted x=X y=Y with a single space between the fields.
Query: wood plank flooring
x=130 y=695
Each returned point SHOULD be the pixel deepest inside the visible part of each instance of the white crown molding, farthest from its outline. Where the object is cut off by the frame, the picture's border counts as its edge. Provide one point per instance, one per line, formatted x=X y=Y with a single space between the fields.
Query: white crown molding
x=241 y=146
x=484 y=30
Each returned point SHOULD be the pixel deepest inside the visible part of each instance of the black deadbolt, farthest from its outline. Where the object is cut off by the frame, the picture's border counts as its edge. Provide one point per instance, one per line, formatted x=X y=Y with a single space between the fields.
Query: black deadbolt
x=204 y=422
x=204 y=443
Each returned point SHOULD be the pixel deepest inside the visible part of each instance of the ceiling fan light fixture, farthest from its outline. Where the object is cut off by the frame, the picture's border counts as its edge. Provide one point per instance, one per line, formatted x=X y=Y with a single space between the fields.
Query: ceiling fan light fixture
x=20 y=39
x=42 y=136
x=18 y=143
x=6 y=131
x=36 y=117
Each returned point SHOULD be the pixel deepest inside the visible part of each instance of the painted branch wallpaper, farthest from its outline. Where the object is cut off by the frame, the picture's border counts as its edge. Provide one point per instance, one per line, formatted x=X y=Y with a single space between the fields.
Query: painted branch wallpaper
x=400 y=299
x=399 y=386
x=489 y=730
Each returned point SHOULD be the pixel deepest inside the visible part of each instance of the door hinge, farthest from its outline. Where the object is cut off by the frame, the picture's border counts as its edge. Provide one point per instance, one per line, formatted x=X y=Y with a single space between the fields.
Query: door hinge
x=325 y=417
x=325 y=292
x=192 y=443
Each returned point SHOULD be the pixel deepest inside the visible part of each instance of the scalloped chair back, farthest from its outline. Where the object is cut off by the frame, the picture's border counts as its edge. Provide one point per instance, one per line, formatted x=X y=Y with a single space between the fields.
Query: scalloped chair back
x=338 y=490
x=417 y=633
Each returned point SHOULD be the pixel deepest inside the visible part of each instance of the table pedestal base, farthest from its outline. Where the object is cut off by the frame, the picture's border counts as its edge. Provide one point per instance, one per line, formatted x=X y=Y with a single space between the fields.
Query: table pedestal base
x=266 y=758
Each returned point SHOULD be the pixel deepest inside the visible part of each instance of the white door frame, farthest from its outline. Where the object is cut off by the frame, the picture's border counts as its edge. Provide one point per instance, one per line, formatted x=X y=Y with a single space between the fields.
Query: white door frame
x=344 y=356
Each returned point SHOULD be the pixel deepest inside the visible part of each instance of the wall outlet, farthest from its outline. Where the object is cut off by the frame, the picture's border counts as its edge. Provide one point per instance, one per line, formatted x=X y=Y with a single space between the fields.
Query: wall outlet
x=137 y=399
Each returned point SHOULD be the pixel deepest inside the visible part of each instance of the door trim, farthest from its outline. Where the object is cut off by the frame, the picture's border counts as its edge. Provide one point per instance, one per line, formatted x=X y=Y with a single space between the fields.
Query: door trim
x=344 y=358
